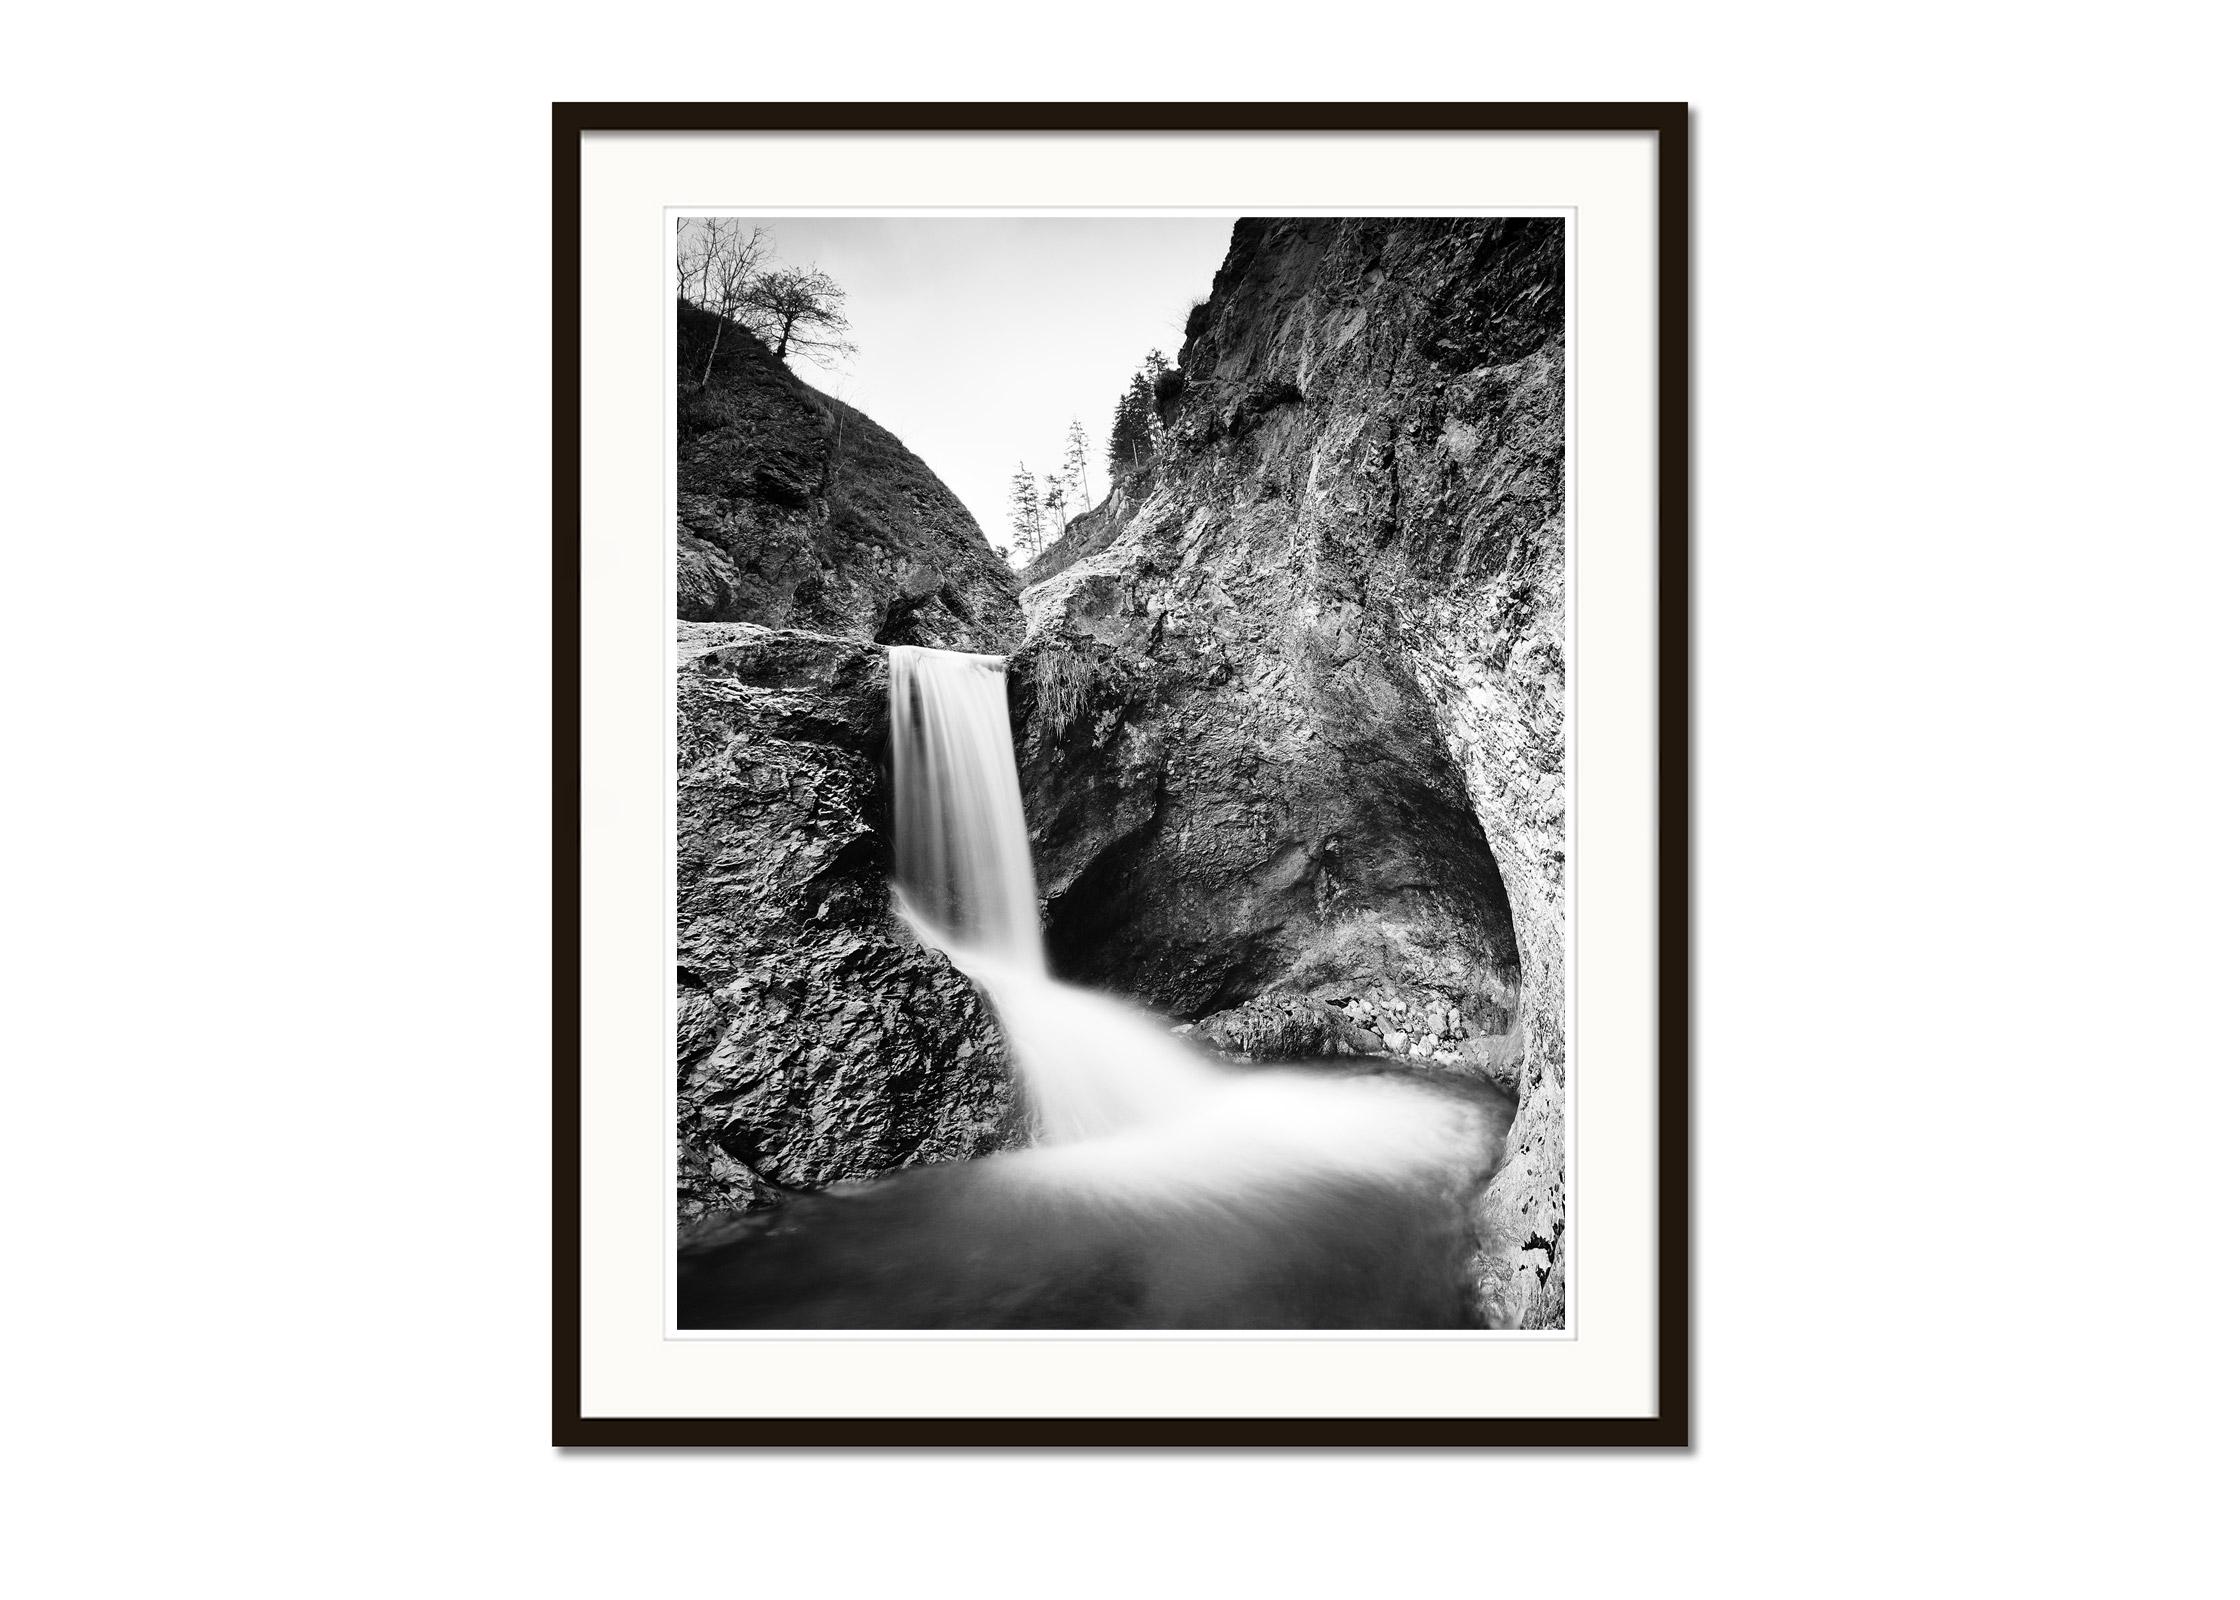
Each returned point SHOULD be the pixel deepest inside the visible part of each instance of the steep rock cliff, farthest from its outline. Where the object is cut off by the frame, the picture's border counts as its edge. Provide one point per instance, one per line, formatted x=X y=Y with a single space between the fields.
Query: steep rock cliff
x=1292 y=715
x=816 y=1041
x=795 y=510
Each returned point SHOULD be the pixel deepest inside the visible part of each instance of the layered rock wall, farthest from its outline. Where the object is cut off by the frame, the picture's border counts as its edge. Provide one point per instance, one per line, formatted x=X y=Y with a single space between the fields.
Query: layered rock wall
x=1291 y=717
x=816 y=1041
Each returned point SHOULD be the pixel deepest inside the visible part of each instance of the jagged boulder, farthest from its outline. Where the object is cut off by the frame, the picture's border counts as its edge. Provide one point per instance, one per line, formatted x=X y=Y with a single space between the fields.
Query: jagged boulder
x=795 y=510
x=816 y=1040
x=1291 y=715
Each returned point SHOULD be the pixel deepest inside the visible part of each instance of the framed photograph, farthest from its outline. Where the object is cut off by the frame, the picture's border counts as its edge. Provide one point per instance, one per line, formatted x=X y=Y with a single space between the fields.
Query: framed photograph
x=1121 y=774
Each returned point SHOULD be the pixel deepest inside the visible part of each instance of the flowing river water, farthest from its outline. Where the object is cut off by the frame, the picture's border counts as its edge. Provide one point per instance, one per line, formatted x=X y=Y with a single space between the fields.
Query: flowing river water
x=1164 y=1188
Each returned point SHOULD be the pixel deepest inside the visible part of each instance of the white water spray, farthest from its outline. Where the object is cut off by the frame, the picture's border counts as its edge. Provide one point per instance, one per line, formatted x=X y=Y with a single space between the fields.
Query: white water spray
x=1165 y=1190
x=1127 y=1104
x=964 y=881
x=960 y=834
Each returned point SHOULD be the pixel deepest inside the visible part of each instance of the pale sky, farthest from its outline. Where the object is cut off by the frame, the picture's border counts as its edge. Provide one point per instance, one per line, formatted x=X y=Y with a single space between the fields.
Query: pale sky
x=979 y=338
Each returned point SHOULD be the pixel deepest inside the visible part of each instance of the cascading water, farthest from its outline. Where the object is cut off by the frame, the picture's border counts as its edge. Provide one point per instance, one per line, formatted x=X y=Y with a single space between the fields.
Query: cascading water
x=1097 y=1071
x=1164 y=1190
x=960 y=834
x=964 y=881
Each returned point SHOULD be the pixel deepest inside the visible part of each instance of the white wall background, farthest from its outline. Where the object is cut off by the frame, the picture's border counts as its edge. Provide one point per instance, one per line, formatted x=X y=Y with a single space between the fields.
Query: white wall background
x=272 y=624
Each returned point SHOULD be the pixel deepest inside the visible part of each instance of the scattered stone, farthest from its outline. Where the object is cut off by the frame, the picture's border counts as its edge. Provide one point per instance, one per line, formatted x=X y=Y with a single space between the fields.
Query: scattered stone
x=1285 y=1028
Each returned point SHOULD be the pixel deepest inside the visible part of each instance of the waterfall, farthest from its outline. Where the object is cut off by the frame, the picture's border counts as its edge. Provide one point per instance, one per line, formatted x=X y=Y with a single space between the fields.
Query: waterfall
x=1164 y=1190
x=960 y=834
x=964 y=882
x=1105 y=1079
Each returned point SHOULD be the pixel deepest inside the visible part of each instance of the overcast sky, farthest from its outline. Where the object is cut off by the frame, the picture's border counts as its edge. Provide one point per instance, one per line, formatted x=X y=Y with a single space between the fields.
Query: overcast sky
x=979 y=339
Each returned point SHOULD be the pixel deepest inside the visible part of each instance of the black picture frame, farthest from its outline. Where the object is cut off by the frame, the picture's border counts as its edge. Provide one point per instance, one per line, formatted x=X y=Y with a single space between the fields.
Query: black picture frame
x=1668 y=122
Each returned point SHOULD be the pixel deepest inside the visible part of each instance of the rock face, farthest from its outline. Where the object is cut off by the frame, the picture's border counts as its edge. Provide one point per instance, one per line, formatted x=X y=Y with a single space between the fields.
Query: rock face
x=797 y=511
x=816 y=1040
x=1086 y=535
x=1292 y=718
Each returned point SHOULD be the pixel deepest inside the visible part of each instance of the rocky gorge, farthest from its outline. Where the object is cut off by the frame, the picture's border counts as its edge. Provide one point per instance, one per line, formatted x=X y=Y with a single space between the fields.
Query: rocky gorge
x=816 y=1042
x=1289 y=709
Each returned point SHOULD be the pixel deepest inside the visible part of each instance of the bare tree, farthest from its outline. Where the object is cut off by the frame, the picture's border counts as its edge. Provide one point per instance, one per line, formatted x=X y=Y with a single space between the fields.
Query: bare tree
x=734 y=261
x=799 y=310
x=692 y=254
x=718 y=262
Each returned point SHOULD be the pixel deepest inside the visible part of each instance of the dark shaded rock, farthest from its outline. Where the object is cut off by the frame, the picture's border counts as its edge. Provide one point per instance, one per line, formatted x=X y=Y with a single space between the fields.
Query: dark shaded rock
x=1291 y=720
x=1231 y=795
x=795 y=510
x=816 y=1040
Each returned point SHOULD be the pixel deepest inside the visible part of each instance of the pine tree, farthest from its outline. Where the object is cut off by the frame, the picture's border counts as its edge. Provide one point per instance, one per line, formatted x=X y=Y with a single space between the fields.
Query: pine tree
x=1131 y=427
x=1077 y=462
x=1026 y=516
x=1054 y=495
x=1135 y=421
x=1122 y=450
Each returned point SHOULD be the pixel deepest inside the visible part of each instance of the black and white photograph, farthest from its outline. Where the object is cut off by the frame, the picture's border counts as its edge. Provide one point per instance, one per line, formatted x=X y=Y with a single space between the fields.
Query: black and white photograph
x=1120 y=804
x=1122 y=773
